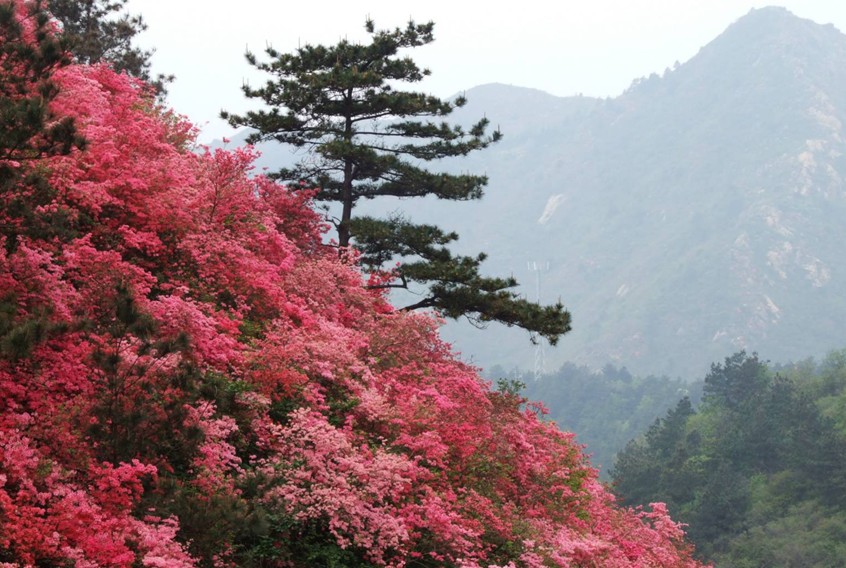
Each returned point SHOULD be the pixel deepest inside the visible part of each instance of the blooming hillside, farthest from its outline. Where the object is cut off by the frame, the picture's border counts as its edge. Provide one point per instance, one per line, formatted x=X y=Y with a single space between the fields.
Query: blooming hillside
x=188 y=377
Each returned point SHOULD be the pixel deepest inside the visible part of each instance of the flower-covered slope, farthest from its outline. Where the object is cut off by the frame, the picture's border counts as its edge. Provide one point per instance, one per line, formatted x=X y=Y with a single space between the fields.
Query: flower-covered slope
x=189 y=377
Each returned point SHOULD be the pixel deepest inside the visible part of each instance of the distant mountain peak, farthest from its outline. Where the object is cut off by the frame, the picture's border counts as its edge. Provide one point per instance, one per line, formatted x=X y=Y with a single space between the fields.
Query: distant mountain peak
x=776 y=30
x=697 y=213
x=768 y=19
x=770 y=55
x=770 y=12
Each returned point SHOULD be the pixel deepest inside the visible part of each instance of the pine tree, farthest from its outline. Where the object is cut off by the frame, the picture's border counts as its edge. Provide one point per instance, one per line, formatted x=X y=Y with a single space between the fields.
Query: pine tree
x=96 y=32
x=365 y=140
x=30 y=53
x=27 y=130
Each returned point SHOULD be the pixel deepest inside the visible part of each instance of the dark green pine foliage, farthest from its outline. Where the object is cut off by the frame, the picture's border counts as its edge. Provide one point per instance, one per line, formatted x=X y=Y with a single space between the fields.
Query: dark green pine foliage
x=28 y=130
x=96 y=31
x=366 y=140
x=26 y=89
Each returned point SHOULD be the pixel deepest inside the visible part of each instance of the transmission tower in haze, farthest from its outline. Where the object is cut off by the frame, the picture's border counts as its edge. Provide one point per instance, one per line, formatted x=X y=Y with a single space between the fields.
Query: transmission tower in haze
x=539 y=267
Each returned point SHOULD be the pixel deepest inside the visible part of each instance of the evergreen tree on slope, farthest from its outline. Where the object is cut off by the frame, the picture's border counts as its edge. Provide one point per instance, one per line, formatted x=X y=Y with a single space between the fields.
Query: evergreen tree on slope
x=364 y=140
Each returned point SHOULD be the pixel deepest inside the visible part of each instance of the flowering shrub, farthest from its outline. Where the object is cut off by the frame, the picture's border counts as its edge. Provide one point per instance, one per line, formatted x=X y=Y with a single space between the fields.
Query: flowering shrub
x=190 y=378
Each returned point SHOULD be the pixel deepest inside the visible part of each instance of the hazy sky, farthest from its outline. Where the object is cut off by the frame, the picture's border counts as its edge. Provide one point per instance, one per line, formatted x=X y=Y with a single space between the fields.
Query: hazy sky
x=593 y=47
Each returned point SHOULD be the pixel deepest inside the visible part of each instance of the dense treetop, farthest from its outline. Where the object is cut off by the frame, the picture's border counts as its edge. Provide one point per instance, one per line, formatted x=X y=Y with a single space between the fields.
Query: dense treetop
x=758 y=471
x=188 y=377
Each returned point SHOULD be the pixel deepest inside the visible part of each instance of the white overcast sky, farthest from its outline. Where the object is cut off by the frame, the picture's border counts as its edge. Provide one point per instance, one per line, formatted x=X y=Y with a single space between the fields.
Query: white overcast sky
x=564 y=47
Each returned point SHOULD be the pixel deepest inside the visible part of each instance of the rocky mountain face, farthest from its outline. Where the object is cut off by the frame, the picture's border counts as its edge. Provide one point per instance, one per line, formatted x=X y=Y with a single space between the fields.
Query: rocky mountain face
x=698 y=213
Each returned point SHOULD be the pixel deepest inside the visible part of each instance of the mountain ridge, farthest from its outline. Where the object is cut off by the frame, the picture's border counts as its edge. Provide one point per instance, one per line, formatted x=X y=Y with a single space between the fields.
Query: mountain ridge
x=718 y=170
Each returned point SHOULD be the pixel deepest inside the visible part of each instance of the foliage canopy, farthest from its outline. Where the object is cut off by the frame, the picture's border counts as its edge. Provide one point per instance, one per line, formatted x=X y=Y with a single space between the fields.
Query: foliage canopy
x=746 y=468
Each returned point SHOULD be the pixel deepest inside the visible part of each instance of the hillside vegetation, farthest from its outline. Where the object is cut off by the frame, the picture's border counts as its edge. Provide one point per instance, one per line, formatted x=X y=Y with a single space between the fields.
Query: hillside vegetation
x=758 y=470
x=607 y=408
x=189 y=377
